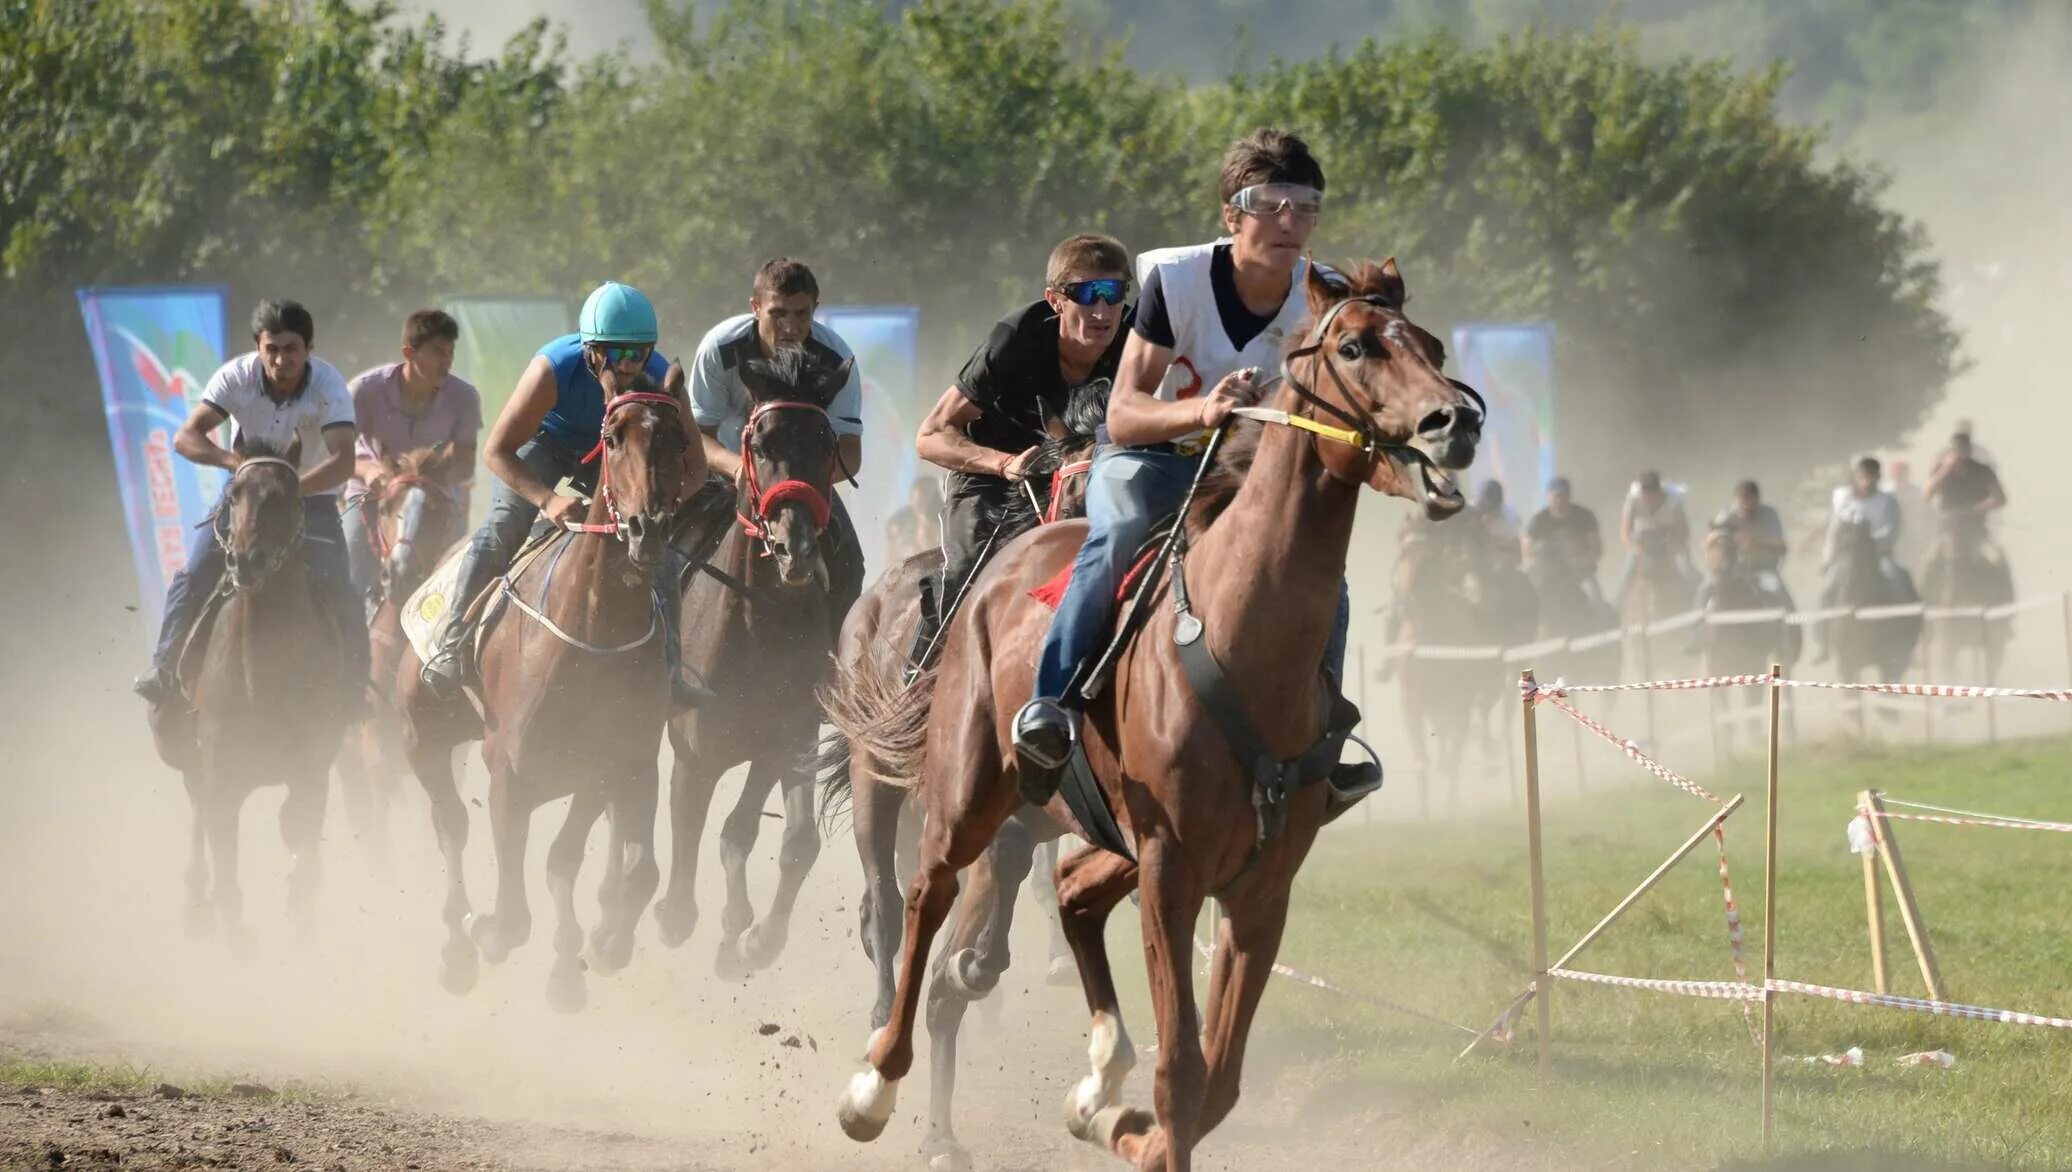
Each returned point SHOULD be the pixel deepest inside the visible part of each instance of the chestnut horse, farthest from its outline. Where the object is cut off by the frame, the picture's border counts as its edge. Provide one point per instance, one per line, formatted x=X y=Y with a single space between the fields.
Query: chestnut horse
x=249 y=672
x=411 y=520
x=1269 y=566
x=758 y=631
x=573 y=700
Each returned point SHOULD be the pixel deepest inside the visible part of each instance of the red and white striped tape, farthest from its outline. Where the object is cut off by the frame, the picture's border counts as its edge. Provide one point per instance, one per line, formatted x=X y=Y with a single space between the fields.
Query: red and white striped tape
x=1921 y=1005
x=2000 y=823
x=1941 y=691
x=1315 y=982
x=1631 y=750
x=1716 y=990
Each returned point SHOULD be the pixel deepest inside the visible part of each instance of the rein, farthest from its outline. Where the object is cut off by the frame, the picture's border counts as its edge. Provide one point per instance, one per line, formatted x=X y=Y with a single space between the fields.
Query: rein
x=764 y=500
x=371 y=504
x=616 y=527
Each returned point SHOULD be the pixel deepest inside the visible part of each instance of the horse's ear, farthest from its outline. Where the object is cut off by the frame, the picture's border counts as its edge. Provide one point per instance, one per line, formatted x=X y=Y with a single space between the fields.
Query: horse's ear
x=1321 y=291
x=755 y=379
x=391 y=465
x=1393 y=293
x=676 y=382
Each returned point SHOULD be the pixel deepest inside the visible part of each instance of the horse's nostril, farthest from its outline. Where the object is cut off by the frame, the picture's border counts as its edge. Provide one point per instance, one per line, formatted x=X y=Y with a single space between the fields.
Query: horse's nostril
x=1439 y=422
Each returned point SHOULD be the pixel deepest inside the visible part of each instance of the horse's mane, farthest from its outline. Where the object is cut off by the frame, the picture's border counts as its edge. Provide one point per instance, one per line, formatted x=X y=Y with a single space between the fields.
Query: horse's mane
x=1086 y=408
x=799 y=370
x=254 y=448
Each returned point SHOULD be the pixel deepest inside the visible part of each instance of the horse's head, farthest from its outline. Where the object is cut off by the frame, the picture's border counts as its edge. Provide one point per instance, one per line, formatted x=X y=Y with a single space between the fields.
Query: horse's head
x=260 y=523
x=1069 y=458
x=788 y=456
x=643 y=444
x=1719 y=549
x=1365 y=365
x=414 y=517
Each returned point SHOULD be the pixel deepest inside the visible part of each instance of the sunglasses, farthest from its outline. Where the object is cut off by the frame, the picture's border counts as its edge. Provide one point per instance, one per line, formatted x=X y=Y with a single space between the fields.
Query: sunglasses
x=1107 y=291
x=613 y=354
x=1267 y=200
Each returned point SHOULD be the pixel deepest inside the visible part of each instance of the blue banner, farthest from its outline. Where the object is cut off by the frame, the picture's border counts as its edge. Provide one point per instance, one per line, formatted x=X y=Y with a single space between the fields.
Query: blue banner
x=155 y=350
x=1512 y=364
x=887 y=343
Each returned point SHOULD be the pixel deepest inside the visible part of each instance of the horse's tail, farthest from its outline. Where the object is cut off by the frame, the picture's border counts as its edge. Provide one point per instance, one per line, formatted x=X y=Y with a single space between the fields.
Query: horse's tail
x=831 y=771
x=879 y=714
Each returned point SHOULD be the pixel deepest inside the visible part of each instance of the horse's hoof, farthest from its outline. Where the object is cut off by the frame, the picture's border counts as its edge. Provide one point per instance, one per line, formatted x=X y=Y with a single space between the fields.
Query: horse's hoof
x=1110 y=1124
x=677 y=919
x=764 y=943
x=942 y=1153
x=610 y=950
x=867 y=1105
x=727 y=964
x=458 y=967
x=1063 y=971
x=964 y=976
x=566 y=992
x=491 y=939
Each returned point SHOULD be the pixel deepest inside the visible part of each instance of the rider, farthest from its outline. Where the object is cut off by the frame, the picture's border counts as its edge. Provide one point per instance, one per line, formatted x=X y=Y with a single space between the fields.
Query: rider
x=1564 y=538
x=1759 y=545
x=1965 y=491
x=1496 y=524
x=1862 y=502
x=285 y=397
x=1209 y=317
x=401 y=407
x=1011 y=395
x=1653 y=515
x=550 y=423
x=781 y=304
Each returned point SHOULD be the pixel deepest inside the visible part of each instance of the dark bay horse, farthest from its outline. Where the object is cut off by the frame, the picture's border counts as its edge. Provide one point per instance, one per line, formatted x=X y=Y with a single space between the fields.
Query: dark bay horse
x=1455 y=600
x=872 y=667
x=1740 y=646
x=573 y=700
x=1570 y=611
x=249 y=671
x=1966 y=572
x=758 y=631
x=1269 y=567
x=1882 y=646
x=411 y=521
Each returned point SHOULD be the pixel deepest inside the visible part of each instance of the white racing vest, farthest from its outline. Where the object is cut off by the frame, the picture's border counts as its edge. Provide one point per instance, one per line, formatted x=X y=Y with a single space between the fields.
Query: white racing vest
x=1202 y=352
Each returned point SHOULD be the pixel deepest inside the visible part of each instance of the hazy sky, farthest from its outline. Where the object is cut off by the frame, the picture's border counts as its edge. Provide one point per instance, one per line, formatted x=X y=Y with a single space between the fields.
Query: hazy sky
x=593 y=25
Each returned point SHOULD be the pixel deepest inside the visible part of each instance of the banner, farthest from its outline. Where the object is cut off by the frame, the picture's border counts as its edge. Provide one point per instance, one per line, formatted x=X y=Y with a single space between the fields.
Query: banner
x=498 y=337
x=887 y=343
x=155 y=350
x=1512 y=364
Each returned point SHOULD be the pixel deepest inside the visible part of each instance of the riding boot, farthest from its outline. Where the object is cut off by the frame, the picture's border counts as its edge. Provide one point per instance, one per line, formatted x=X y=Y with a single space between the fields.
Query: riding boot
x=449 y=669
x=1349 y=781
x=924 y=631
x=1044 y=731
x=684 y=692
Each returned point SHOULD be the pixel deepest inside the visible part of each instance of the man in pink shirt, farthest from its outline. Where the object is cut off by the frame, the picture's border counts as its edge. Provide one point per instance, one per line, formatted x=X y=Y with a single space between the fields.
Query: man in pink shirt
x=403 y=406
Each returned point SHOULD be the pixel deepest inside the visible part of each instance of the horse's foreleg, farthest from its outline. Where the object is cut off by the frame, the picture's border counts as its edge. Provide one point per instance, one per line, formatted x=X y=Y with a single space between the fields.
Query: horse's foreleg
x=796 y=853
x=955 y=980
x=637 y=874
x=1043 y=888
x=877 y=811
x=1249 y=939
x=737 y=837
x=1090 y=882
x=302 y=826
x=691 y=784
x=222 y=808
x=200 y=921
x=565 y=991
x=1172 y=899
x=1012 y=854
x=432 y=762
x=510 y=824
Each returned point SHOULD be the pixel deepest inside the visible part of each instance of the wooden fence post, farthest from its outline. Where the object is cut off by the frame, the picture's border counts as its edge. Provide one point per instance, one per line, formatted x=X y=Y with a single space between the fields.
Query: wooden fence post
x=1542 y=987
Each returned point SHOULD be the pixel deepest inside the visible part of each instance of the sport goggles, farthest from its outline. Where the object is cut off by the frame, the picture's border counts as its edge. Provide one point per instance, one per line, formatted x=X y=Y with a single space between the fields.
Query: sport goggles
x=1107 y=291
x=614 y=353
x=1267 y=200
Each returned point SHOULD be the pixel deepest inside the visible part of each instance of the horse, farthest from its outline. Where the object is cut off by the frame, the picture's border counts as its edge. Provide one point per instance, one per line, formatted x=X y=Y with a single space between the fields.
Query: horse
x=758 y=631
x=247 y=671
x=1743 y=647
x=572 y=703
x=411 y=521
x=1881 y=646
x=1272 y=544
x=1441 y=608
x=1661 y=589
x=1962 y=576
x=1569 y=611
x=887 y=827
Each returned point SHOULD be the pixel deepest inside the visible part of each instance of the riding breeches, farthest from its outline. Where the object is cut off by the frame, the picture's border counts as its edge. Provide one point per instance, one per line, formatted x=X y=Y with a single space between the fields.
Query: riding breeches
x=323 y=551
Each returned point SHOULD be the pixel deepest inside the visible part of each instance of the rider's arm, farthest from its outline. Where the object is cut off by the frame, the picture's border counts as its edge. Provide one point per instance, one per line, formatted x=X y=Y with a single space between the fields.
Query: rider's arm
x=519 y=421
x=1135 y=417
x=459 y=465
x=711 y=405
x=845 y=413
x=337 y=467
x=943 y=443
x=717 y=457
x=1626 y=524
x=195 y=442
x=1996 y=497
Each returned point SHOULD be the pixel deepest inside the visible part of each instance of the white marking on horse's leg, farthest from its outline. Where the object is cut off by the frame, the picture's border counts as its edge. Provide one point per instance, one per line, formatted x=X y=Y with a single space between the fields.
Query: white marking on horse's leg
x=867 y=1105
x=1112 y=1057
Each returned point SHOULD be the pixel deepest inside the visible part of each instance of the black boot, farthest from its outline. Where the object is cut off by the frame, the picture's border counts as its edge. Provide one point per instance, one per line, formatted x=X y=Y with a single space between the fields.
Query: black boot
x=448 y=670
x=925 y=631
x=156 y=686
x=1043 y=734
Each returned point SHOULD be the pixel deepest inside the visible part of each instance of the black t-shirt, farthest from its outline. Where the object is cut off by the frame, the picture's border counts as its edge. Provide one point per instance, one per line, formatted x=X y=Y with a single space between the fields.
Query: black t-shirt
x=1580 y=524
x=1967 y=487
x=1015 y=382
x=1156 y=324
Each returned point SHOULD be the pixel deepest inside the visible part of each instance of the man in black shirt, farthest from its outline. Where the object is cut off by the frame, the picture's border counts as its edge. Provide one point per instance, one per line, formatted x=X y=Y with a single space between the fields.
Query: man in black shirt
x=1965 y=491
x=1011 y=395
x=1563 y=540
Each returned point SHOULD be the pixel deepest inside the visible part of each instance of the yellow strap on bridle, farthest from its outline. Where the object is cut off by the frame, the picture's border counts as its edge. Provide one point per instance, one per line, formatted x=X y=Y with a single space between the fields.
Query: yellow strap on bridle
x=1344 y=435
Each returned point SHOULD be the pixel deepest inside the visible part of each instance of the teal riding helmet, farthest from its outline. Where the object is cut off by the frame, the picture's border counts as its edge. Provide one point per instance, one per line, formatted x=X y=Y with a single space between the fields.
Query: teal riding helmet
x=617 y=313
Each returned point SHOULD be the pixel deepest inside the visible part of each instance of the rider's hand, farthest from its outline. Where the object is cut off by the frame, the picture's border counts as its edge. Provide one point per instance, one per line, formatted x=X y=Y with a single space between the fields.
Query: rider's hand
x=1233 y=390
x=1016 y=468
x=564 y=510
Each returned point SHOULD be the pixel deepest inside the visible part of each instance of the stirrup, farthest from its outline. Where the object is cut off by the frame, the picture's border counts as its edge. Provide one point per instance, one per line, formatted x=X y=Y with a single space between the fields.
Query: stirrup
x=1044 y=731
x=443 y=674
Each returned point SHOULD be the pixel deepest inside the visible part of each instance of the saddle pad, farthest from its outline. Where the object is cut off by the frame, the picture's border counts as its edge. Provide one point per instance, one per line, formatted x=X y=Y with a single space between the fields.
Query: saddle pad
x=1052 y=593
x=425 y=612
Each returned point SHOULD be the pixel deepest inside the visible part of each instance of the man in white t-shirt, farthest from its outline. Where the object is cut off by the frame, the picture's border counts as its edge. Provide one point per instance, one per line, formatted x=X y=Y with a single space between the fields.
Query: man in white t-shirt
x=1209 y=318
x=286 y=398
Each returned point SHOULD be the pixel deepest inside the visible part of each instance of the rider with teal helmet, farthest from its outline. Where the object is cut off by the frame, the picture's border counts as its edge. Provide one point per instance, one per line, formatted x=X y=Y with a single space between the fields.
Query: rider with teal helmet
x=548 y=425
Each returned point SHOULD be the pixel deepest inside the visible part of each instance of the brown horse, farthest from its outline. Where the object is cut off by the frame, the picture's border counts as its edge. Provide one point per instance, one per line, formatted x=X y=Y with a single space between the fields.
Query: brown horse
x=758 y=631
x=873 y=661
x=1271 y=563
x=411 y=521
x=1443 y=592
x=248 y=671
x=1967 y=572
x=573 y=699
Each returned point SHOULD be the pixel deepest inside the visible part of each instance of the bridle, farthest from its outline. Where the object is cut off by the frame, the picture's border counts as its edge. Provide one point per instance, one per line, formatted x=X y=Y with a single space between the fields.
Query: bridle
x=762 y=501
x=276 y=557
x=1057 y=486
x=372 y=503
x=1360 y=432
x=602 y=452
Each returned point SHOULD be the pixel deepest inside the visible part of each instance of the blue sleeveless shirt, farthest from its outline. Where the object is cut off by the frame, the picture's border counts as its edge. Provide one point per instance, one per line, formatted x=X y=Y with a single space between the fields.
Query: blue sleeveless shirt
x=578 y=412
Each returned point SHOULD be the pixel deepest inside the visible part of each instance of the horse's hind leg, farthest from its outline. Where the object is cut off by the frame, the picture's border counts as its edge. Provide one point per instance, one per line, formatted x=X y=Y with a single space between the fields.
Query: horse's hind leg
x=796 y=853
x=877 y=811
x=691 y=782
x=565 y=991
x=201 y=923
x=510 y=825
x=432 y=761
x=954 y=982
x=1059 y=969
x=302 y=826
x=1091 y=882
x=737 y=837
x=634 y=873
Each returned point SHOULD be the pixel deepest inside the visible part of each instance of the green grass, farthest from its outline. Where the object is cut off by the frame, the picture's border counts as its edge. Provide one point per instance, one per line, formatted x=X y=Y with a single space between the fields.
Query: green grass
x=1439 y=918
